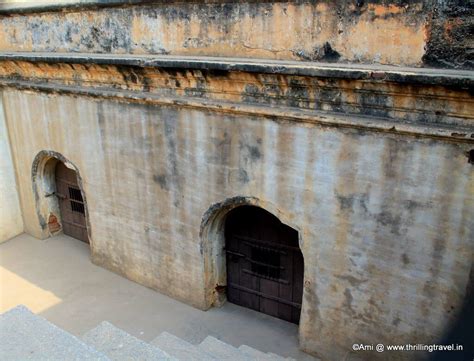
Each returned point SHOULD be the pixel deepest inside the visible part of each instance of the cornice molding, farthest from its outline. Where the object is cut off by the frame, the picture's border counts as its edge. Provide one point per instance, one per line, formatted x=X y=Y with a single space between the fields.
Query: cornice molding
x=374 y=124
x=382 y=73
x=421 y=102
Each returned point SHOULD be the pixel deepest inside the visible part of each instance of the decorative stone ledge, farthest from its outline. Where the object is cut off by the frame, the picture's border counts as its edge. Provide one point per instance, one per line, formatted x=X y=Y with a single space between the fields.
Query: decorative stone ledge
x=422 y=102
x=282 y=114
x=424 y=76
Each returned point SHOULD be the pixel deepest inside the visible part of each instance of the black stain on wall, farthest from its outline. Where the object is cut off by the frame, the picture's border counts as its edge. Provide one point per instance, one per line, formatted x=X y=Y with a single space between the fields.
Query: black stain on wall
x=324 y=53
x=470 y=156
x=345 y=202
x=451 y=35
x=388 y=219
x=253 y=151
x=162 y=180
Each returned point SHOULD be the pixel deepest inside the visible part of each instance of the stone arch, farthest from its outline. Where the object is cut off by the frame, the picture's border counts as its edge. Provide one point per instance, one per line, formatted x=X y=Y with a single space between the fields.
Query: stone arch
x=44 y=186
x=213 y=241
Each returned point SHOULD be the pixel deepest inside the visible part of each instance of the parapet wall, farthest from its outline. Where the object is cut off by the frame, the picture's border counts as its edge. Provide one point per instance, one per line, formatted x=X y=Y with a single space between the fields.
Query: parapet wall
x=403 y=33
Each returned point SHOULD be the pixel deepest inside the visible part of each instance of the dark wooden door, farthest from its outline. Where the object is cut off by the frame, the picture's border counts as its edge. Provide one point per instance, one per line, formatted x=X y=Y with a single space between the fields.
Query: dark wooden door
x=71 y=204
x=264 y=263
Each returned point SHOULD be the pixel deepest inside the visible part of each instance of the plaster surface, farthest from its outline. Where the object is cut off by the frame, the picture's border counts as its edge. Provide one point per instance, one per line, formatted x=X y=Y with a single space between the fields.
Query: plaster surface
x=302 y=30
x=385 y=220
x=11 y=222
x=418 y=32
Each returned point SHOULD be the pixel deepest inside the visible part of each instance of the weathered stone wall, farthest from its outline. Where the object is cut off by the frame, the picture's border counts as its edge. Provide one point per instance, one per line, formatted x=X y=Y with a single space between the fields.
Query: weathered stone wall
x=386 y=94
x=385 y=220
x=388 y=32
x=11 y=222
x=372 y=164
x=451 y=40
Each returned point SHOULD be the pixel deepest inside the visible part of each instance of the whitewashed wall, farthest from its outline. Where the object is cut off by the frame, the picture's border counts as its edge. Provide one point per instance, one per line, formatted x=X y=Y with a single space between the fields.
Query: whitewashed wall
x=385 y=220
x=11 y=222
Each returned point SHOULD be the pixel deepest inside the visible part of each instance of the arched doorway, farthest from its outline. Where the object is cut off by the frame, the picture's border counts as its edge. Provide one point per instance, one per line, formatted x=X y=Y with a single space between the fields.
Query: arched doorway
x=61 y=205
x=71 y=203
x=264 y=263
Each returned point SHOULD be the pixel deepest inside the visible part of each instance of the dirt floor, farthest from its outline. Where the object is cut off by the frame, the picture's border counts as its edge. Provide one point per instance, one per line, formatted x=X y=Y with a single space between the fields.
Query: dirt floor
x=55 y=278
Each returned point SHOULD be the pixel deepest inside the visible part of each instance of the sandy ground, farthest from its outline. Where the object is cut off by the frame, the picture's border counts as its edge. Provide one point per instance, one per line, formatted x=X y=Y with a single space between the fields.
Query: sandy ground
x=55 y=278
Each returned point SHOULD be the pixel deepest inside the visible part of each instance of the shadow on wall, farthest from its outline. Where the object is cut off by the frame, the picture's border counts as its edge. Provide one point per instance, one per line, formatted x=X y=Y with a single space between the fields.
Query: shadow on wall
x=462 y=332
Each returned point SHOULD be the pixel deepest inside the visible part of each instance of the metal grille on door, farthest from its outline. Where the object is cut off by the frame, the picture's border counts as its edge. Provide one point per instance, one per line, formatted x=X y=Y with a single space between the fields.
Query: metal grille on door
x=264 y=263
x=71 y=203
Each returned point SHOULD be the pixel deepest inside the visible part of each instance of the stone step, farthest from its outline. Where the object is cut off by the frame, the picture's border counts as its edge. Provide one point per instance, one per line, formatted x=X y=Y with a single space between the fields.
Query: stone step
x=180 y=349
x=256 y=354
x=118 y=345
x=222 y=350
x=280 y=358
x=26 y=336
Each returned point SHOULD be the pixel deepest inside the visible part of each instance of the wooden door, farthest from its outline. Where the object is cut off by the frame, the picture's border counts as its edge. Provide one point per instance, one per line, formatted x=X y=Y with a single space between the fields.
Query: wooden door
x=264 y=263
x=71 y=204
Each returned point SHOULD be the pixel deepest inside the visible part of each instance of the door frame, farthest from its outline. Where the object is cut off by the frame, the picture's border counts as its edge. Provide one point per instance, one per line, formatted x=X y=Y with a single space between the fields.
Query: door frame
x=43 y=175
x=257 y=238
x=212 y=237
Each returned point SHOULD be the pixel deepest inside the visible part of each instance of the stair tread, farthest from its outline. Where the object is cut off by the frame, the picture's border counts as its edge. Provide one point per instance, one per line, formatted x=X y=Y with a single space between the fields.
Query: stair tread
x=279 y=358
x=256 y=354
x=26 y=336
x=222 y=350
x=180 y=349
x=119 y=345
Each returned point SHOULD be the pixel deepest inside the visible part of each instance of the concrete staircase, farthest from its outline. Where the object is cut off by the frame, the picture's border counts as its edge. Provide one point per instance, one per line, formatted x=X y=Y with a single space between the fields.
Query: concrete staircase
x=26 y=336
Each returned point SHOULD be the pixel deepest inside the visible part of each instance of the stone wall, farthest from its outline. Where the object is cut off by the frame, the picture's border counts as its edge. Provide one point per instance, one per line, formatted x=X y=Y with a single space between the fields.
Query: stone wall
x=168 y=130
x=398 y=32
x=385 y=221
x=11 y=222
